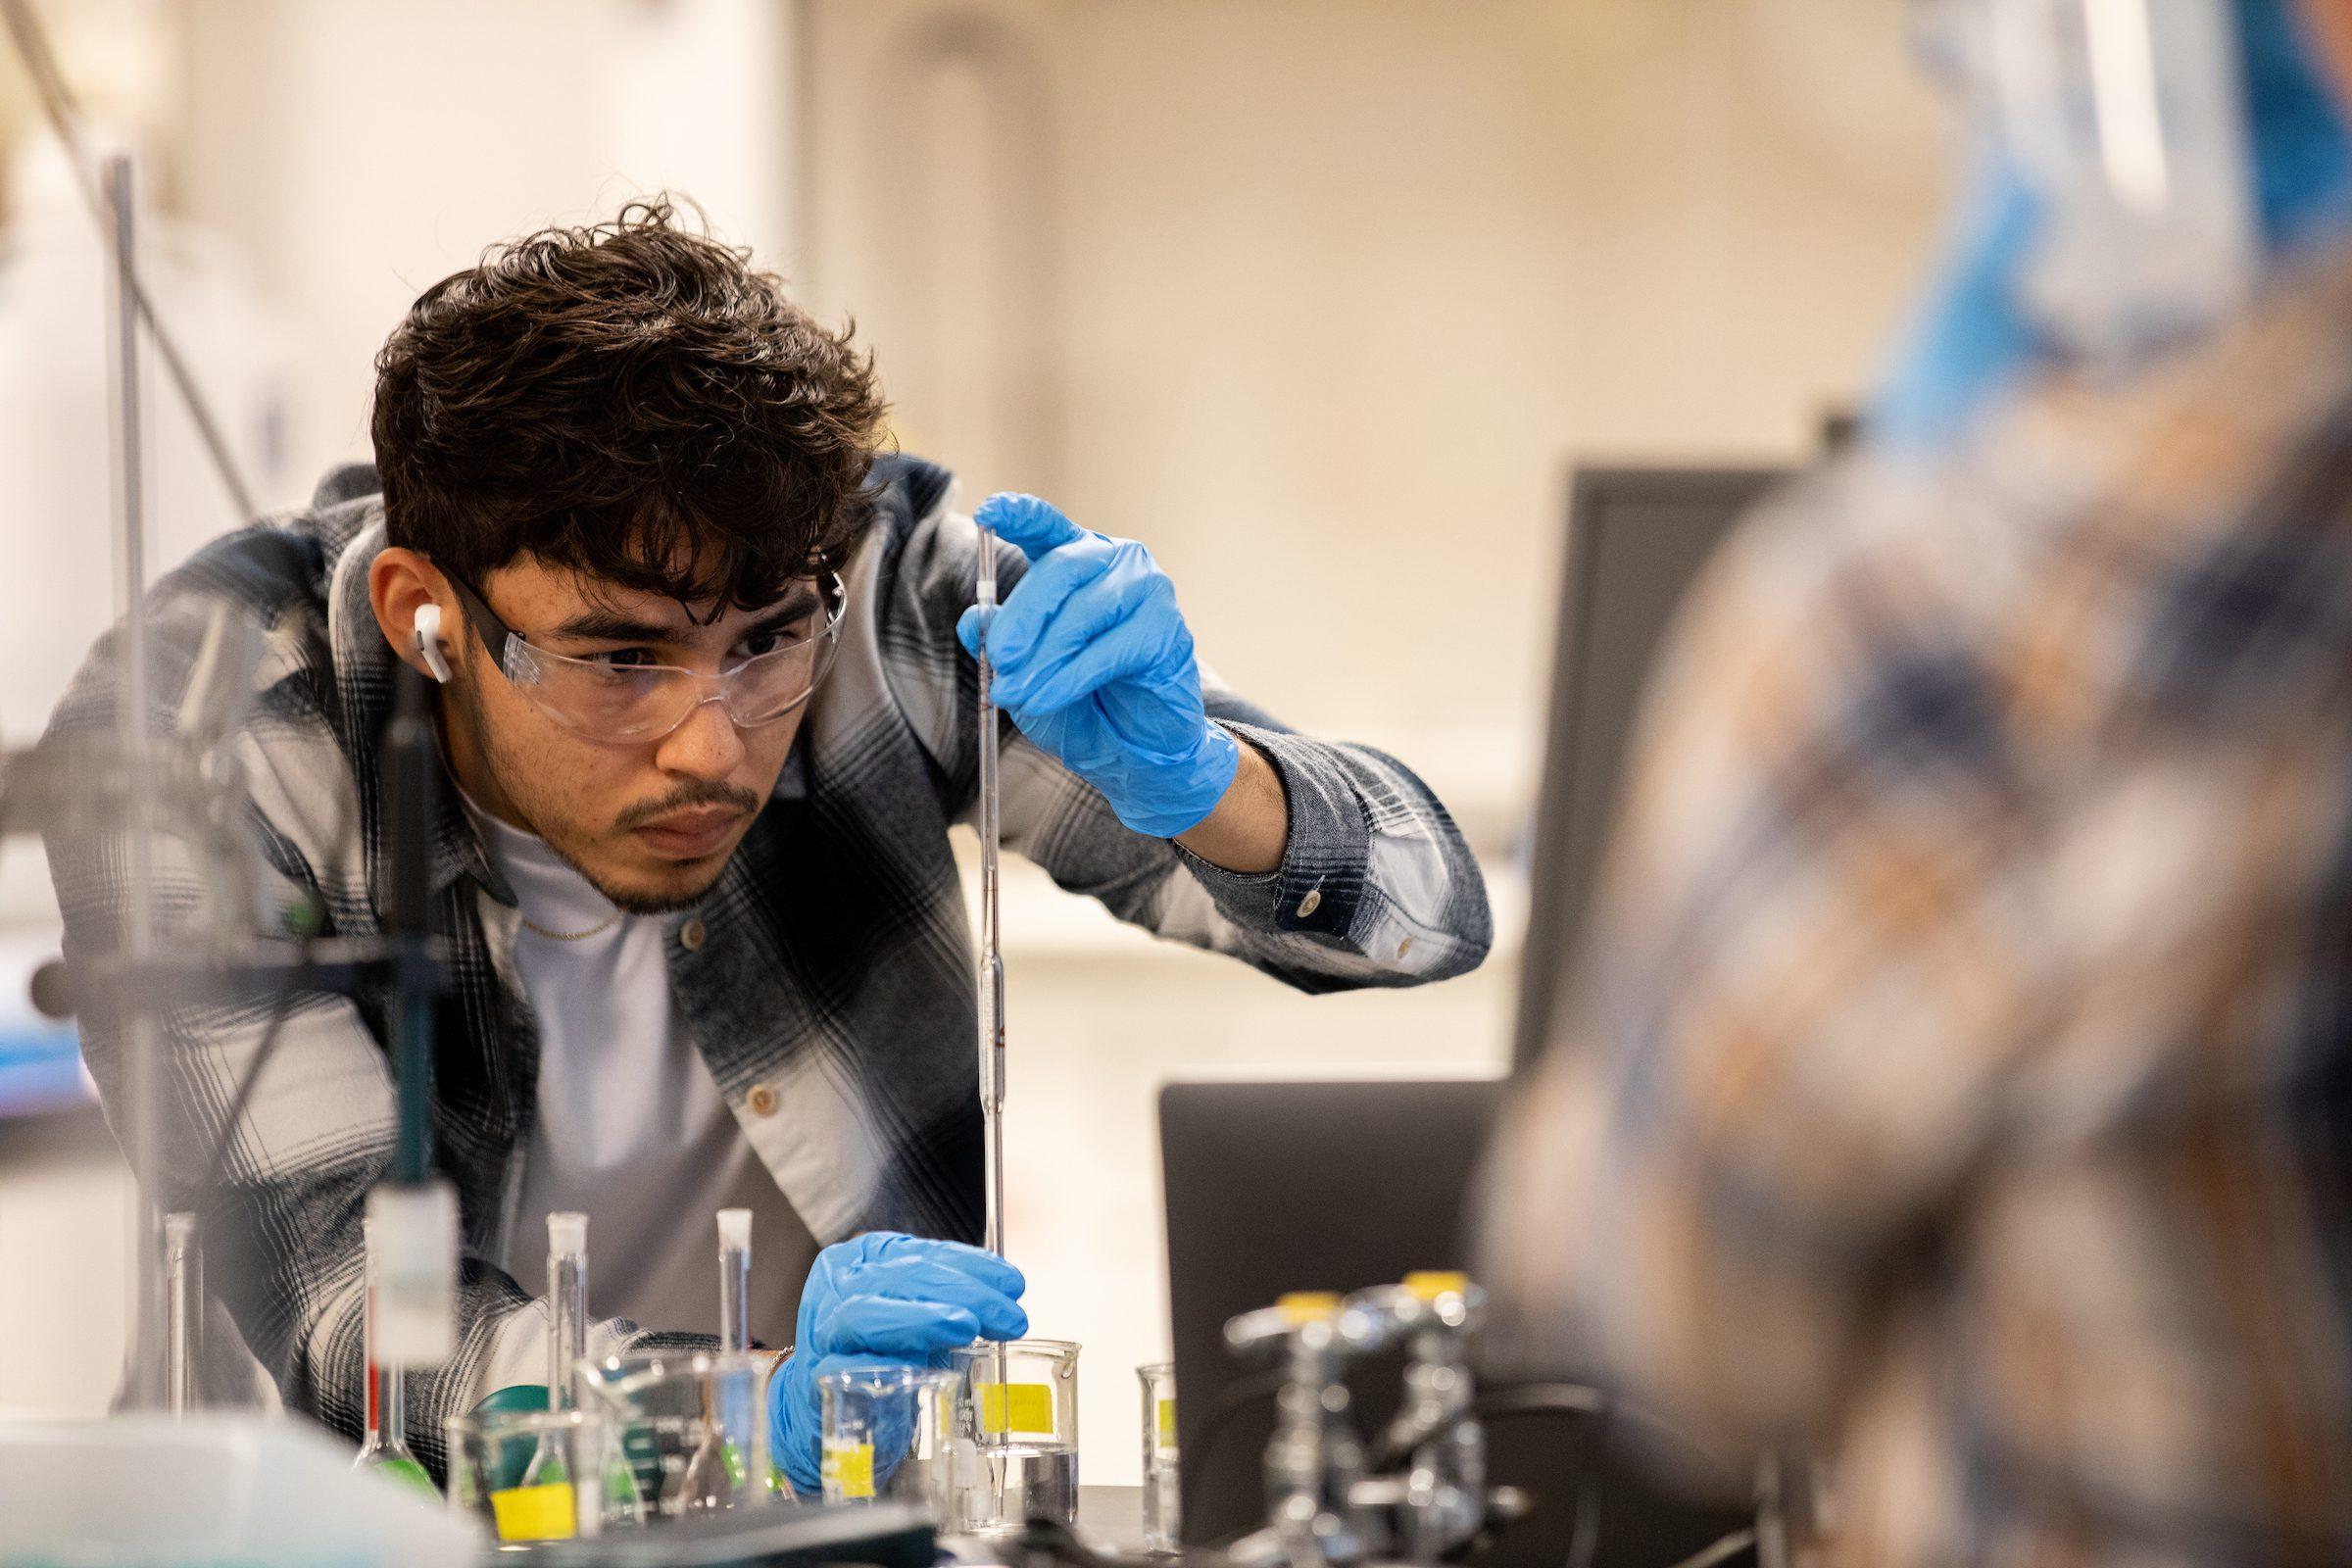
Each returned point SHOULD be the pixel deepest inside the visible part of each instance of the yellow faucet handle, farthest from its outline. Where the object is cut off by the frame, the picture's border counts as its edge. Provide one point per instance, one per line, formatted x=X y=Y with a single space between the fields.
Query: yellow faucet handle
x=1309 y=1307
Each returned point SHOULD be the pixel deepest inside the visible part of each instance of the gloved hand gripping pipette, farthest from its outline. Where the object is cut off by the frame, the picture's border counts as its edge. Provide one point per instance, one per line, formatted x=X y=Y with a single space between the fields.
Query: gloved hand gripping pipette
x=1099 y=673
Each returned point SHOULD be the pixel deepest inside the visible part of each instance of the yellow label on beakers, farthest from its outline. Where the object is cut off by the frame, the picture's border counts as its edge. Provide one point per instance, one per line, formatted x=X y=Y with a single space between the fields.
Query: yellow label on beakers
x=849 y=1469
x=533 y=1513
x=1016 y=1408
x=1167 y=1422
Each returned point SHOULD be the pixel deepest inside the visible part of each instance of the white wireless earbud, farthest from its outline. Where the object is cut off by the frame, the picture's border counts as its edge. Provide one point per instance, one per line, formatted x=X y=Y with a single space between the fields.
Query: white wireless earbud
x=428 y=642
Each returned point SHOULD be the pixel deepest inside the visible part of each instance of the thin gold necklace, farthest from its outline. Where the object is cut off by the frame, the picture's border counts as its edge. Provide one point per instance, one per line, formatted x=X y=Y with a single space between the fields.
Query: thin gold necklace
x=598 y=929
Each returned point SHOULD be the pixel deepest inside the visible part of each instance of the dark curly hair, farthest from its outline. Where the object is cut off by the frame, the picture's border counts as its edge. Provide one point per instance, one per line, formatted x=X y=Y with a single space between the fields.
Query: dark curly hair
x=629 y=400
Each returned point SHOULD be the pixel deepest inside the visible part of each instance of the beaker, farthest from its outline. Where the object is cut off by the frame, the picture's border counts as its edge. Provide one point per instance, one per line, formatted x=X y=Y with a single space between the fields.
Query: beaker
x=535 y=1476
x=694 y=1424
x=1016 y=1416
x=1164 y=1494
x=889 y=1432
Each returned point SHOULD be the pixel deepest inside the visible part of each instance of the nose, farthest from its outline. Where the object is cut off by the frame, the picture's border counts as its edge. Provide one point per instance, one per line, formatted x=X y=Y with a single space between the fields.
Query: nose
x=707 y=746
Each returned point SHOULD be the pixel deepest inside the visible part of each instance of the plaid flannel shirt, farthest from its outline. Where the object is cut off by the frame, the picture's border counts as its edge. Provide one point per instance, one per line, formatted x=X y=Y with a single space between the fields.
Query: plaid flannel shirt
x=1961 y=1071
x=828 y=975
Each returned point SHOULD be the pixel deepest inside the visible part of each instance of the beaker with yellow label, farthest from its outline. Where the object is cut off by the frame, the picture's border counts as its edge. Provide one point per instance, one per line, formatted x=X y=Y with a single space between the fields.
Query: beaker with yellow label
x=531 y=1477
x=1163 y=1495
x=888 y=1432
x=1017 y=1435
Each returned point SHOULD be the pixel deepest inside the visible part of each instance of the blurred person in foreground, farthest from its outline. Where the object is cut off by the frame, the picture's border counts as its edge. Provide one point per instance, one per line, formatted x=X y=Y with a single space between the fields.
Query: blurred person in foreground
x=701 y=655
x=1960 y=1078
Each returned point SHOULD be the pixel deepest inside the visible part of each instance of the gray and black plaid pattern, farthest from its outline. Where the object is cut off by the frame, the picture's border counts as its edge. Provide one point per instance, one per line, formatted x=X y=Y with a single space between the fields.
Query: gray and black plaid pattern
x=827 y=975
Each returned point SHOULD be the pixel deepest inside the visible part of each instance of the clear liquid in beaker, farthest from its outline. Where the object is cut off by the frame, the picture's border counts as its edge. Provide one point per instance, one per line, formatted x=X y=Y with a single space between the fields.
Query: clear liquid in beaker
x=1017 y=1429
x=1163 y=1508
x=1019 y=1482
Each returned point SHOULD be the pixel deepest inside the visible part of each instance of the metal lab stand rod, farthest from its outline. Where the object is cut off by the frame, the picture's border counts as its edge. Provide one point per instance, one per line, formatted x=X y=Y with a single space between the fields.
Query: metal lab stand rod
x=143 y=1078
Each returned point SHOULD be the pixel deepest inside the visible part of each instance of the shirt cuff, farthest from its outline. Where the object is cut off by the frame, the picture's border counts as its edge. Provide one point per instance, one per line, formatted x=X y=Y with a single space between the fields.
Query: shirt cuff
x=1320 y=883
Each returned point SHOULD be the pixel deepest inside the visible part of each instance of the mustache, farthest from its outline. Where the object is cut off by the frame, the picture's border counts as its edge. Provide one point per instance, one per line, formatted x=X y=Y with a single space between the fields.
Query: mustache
x=691 y=792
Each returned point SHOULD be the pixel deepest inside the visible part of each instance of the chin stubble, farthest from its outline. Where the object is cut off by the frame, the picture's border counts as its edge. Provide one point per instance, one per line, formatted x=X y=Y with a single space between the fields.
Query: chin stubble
x=633 y=902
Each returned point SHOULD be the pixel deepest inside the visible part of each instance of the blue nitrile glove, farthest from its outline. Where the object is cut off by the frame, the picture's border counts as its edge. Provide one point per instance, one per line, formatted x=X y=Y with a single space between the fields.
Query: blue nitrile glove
x=1095 y=664
x=2302 y=148
x=1971 y=339
x=884 y=1299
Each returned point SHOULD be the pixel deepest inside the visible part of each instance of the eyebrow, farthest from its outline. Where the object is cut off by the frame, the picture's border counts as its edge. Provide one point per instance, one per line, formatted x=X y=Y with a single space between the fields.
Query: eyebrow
x=797 y=604
x=613 y=626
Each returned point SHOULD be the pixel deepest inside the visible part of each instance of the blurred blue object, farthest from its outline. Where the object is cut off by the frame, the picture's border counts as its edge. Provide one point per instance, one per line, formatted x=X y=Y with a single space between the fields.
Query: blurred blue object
x=40 y=1070
x=1972 y=338
x=2302 y=151
x=40 y=1058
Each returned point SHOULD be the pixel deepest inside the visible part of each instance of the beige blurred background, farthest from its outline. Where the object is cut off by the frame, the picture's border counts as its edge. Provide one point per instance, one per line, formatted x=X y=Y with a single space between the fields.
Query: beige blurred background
x=1320 y=298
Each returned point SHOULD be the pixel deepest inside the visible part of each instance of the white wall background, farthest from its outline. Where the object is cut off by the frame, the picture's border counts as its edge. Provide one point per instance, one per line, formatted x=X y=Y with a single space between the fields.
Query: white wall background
x=1321 y=297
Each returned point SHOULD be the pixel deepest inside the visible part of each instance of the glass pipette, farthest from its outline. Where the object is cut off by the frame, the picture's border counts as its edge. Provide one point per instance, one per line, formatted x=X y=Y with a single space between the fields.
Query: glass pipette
x=991 y=959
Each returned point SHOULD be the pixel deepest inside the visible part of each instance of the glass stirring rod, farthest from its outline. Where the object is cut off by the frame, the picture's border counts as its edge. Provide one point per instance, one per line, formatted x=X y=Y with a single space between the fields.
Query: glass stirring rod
x=991 y=959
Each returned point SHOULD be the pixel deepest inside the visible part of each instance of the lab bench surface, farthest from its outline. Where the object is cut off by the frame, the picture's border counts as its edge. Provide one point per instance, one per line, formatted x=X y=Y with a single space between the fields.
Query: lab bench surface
x=1112 y=1517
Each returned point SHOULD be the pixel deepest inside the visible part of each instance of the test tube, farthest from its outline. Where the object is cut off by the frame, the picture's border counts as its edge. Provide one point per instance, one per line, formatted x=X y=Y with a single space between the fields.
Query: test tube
x=735 y=1279
x=183 y=1300
x=567 y=1306
x=734 y=1301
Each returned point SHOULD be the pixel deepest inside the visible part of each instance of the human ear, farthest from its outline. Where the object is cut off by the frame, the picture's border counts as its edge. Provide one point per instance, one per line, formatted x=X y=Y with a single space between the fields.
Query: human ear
x=412 y=602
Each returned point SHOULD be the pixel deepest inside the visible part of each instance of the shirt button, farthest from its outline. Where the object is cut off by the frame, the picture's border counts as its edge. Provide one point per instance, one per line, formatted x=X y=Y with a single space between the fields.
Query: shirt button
x=762 y=1100
x=1311 y=903
x=691 y=934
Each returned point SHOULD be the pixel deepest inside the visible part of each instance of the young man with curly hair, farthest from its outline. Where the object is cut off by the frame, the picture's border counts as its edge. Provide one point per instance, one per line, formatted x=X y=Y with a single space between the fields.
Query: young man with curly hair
x=703 y=671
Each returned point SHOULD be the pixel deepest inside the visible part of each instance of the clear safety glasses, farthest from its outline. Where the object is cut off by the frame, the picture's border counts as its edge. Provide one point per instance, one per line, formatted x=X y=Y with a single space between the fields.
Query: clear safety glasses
x=630 y=702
